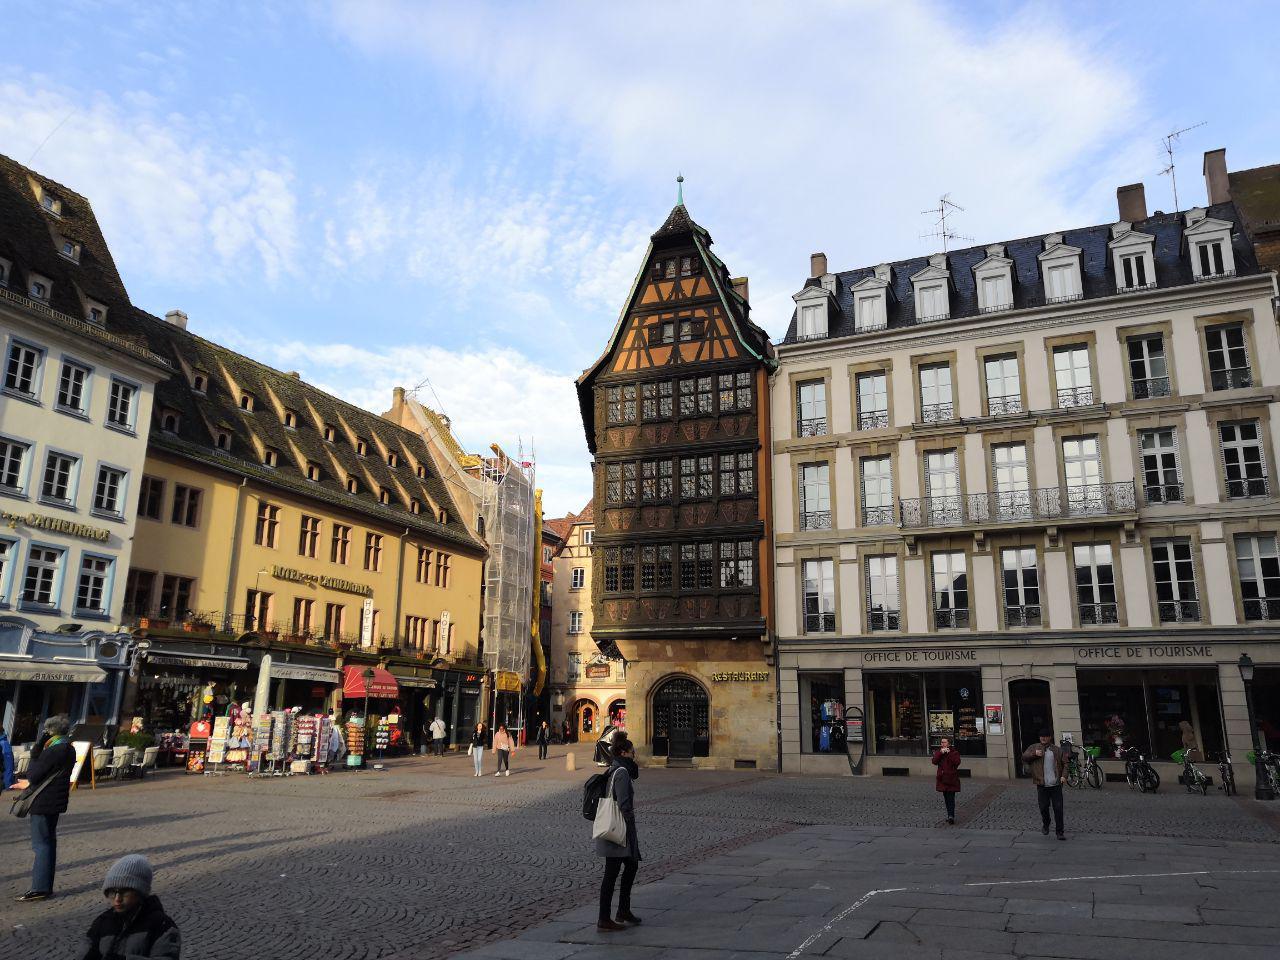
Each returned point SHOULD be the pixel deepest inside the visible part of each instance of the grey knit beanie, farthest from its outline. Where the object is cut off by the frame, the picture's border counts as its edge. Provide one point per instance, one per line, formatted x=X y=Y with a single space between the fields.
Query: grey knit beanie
x=132 y=872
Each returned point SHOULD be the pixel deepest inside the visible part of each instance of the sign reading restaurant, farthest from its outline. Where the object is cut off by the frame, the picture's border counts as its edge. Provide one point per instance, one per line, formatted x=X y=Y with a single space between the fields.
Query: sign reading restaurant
x=315 y=579
x=59 y=525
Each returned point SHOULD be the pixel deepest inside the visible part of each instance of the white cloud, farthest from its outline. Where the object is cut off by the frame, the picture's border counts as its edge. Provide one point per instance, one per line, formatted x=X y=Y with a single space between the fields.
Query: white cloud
x=491 y=395
x=800 y=127
x=173 y=201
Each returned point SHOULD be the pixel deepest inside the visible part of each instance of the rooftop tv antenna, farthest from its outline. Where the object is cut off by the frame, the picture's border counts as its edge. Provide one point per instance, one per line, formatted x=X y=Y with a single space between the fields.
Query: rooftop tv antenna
x=944 y=232
x=1168 y=143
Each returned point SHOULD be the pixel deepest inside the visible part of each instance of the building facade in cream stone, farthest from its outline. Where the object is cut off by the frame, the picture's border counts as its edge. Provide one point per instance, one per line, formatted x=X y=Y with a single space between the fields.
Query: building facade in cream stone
x=1029 y=485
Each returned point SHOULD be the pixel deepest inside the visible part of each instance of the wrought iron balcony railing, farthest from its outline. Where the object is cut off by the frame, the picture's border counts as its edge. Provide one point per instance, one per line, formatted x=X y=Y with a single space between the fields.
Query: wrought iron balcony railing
x=937 y=412
x=1045 y=503
x=884 y=619
x=955 y=618
x=1075 y=397
x=1220 y=275
x=877 y=516
x=1096 y=613
x=1000 y=406
x=819 y=623
x=1231 y=378
x=1145 y=389
x=1163 y=493
x=1262 y=608
x=1179 y=611
x=1027 y=615
x=1247 y=487
x=815 y=520
x=811 y=427
x=873 y=420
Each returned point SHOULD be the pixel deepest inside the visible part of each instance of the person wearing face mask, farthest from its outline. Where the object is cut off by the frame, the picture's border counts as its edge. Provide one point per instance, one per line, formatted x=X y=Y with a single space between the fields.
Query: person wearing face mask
x=134 y=924
x=621 y=858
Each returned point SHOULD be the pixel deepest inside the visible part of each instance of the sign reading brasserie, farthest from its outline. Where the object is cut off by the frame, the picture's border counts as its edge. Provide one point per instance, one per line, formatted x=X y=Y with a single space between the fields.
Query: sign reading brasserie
x=59 y=525
x=329 y=583
x=741 y=676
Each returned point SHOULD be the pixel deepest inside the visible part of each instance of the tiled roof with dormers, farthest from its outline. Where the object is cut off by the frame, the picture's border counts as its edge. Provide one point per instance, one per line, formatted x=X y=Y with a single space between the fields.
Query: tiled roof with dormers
x=1097 y=273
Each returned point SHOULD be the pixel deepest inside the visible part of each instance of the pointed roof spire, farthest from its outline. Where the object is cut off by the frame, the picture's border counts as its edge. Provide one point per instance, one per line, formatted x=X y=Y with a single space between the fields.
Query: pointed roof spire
x=679 y=189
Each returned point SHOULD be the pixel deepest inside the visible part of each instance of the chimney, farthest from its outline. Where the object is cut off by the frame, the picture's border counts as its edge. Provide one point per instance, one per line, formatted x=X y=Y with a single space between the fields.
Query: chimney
x=1216 y=186
x=397 y=398
x=177 y=318
x=293 y=373
x=740 y=287
x=817 y=264
x=1131 y=200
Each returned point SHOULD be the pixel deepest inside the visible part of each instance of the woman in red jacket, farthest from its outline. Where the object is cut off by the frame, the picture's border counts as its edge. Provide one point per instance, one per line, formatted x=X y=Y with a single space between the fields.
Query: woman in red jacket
x=947 y=760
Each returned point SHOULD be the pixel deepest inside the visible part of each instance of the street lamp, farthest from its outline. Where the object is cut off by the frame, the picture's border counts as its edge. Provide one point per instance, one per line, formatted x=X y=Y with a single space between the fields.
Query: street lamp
x=1261 y=790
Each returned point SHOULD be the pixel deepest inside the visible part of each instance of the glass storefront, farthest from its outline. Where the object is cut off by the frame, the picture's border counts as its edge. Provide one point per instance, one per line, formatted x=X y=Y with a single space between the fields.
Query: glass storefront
x=1145 y=709
x=909 y=713
x=1266 y=705
x=822 y=728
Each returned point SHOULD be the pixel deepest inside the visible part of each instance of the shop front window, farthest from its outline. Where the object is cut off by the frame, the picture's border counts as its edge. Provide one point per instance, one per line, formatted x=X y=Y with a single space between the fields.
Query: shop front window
x=1146 y=709
x=912 y=712
x=822 y=713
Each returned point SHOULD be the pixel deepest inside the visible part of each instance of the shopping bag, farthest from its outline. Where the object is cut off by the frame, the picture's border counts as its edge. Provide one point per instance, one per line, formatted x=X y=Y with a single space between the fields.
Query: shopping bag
x=470 y=748
x=609 y=824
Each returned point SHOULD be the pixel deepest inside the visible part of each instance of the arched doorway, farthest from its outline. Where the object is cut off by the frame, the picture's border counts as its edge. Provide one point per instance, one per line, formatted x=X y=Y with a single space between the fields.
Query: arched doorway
x=618 y=713
x=1031 y=711
x=586 y=720
x=681 y=719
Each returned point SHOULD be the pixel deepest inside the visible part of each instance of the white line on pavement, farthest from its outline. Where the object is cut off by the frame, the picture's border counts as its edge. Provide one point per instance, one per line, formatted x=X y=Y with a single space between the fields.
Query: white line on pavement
x=813 y=937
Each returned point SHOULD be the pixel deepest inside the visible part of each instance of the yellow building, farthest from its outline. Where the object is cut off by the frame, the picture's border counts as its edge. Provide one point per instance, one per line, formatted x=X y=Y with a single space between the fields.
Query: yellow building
x=286 y=541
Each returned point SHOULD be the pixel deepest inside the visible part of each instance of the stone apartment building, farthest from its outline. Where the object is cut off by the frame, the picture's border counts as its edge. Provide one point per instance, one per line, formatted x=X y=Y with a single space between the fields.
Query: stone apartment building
x=1030 y=484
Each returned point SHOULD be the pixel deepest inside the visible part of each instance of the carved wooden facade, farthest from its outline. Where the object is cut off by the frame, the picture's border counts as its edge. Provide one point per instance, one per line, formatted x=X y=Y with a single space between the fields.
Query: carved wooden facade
x=676 y=412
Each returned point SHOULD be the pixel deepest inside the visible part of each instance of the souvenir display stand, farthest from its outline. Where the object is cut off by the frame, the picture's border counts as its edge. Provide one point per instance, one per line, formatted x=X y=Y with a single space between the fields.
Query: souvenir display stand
x=198 y=745
x=217 y=747
x=355 y=741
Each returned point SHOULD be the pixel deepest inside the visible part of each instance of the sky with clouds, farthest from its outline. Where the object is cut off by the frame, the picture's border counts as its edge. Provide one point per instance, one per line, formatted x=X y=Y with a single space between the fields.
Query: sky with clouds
x=456 y=196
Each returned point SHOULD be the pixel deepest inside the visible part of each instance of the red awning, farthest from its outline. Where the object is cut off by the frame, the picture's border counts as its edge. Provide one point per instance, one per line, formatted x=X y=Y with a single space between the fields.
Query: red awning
x=384 y=684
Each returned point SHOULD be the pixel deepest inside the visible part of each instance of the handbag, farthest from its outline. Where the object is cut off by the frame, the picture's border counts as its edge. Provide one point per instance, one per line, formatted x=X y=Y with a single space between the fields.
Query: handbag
x=609 y=824
x=23 y=802
x=470 y=748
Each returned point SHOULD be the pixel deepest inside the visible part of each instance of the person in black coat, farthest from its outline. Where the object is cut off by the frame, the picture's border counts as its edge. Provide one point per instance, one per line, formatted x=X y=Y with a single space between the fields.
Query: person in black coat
x=544 y=738
x=53 y=764
x=623 y=857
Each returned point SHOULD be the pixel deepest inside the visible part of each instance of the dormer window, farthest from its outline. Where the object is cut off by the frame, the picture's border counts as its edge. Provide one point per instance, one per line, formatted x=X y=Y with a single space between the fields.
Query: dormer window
x=1132 y=258
x=353 y=485
x=222 y=439
x=170 y=420
x=932 y=290
x=200 y=382
x=247 y=402
x=384 y=495
x=1060 y=265
x=330 y=433
x=362 y=447
x=993 y=278
x=393 y=459
x=1209 y=246
x=415 y=506
x=50 y=203
x=871 y=300
x=40 y=288
x=443 y=516
x=69 y=249
x=95 y=312
x=813 y=321
x=313 y=472
x=290 y=419
x=422 y=472
x=271 y=457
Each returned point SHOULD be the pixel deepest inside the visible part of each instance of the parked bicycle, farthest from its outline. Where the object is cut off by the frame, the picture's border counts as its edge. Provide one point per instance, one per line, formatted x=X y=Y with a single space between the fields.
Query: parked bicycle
x=1139 y=773
x=1192 y=778
x=1226 y=775
x=1270 y=765
x=1082 y=767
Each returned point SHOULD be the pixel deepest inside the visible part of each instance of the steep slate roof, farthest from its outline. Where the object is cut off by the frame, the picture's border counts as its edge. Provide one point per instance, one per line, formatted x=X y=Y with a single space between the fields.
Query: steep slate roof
x=1173 y=269
x=26 y=238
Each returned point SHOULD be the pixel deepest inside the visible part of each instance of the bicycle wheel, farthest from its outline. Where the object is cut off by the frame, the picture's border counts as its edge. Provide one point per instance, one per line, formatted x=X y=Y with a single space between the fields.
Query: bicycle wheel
x=1074 y=779
x=1204 y=786
x=1094 y=776
x=1151 y=779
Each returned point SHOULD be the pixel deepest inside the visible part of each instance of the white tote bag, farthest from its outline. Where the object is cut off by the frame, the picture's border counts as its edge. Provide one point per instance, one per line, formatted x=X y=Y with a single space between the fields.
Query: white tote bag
x=609 y=824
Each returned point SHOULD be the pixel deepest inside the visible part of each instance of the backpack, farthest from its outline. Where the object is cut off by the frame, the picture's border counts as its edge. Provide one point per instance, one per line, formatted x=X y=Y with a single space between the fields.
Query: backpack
x=592 y=793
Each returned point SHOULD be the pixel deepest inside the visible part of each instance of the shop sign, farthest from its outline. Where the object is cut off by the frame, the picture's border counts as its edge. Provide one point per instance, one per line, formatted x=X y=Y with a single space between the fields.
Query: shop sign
x=212 y=663
x=853 y=729
x=36 y=672
x=421 y=683
x=472 y=691
x=291 y=671
x=597 y=671
x=741 y=676
x=921 y=656
x=993 y=713
x=942 y=723
x=366 y=624
x=1164 y=651
x=319 y=580
x=59 y=525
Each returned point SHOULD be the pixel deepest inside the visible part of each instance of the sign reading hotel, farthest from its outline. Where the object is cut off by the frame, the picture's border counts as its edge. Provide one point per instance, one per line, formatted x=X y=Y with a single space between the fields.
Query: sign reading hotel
x=315 y=579
x=59 y=525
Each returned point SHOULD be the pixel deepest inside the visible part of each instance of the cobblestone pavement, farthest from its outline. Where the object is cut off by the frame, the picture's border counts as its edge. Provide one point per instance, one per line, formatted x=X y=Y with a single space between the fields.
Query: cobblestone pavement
x=423 y=860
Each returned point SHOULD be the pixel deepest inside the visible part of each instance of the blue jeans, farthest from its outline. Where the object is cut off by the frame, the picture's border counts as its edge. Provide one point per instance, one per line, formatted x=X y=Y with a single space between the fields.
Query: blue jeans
x=44 y=843
x=477 y=756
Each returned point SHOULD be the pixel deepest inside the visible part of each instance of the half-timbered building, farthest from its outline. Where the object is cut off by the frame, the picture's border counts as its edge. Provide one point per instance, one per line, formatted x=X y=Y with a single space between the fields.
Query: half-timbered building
x=676 y=416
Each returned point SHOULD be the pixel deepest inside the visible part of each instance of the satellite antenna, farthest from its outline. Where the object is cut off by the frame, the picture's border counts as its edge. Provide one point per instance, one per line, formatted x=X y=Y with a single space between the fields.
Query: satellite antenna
x=1168 y=143
x=942 y=211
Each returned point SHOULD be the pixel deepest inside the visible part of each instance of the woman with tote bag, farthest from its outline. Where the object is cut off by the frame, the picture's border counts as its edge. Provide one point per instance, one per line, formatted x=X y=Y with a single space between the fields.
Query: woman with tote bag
x=622 y=856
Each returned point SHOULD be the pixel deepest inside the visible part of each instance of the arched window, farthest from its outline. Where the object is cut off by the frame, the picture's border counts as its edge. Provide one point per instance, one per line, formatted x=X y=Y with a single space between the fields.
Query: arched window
x=681 y=719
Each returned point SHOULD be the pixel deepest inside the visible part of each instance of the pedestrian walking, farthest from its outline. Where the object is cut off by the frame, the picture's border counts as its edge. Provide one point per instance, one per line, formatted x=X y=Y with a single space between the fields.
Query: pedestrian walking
x=479 y=737
x=50 y=774
x=6 y=763
x=1047 y=765
x=947 y=760
x=621 y=858
x=604 y=746
x=337 y=743
x=544 y=739
x=135 y=925
x=565 y=732
x=503 y=745
x=438 y=731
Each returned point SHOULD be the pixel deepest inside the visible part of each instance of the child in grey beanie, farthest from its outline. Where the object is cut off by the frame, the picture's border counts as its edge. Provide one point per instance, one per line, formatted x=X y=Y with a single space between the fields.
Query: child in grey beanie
x=135 y=925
